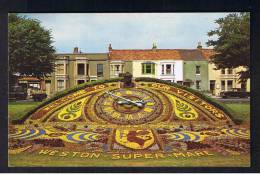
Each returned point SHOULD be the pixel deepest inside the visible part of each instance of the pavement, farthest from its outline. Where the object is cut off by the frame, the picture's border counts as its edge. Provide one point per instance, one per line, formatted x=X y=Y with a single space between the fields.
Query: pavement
x=233 y=100
x=27 y=100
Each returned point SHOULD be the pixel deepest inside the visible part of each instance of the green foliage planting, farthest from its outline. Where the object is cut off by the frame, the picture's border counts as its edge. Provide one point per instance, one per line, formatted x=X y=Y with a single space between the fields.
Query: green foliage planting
x=30 y=49
x=233 y=43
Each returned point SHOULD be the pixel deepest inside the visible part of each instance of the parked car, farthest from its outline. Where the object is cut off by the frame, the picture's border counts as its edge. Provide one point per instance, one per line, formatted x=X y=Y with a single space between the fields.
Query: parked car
x=236 y=92
x=39 y=96
x=17 y=93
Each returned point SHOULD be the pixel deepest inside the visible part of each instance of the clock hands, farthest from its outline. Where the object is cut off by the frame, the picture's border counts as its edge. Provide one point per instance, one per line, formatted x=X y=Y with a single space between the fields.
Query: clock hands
x=139 y=103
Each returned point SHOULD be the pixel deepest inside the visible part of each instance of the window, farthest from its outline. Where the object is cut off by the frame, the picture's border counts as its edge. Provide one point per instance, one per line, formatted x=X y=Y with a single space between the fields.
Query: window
x=188 y=84
x=168 y=69
x=100 y=70
x=60 y=85
x=47 y=81
x=81 y=69
x=243 y=86
x=198 y=84
x=162 y=69
x=60 y=68
x=87 y=69
x=197 y=69
x=117 y=67
x=230 y=71
x=179 y=82
x=222 y=71
x=229 y=85
x=148 y=68
x=212 y=84
x=81 y=81
x=223 y=84
x=115 y=70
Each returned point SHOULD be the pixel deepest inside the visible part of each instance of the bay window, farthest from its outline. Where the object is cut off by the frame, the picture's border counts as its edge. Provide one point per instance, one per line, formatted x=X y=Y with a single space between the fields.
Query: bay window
x=148 y=68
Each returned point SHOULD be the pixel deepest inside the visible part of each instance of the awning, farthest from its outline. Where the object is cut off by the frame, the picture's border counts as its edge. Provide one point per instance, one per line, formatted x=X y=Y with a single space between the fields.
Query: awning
x=29 y=79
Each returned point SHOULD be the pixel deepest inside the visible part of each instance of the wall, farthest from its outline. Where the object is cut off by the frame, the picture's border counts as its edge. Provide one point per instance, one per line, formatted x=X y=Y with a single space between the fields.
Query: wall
x=129 y=66
x=189 y=72
x=93 y=69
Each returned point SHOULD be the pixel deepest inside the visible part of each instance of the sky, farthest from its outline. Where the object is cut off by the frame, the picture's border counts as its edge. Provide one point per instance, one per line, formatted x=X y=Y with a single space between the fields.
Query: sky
x=92 y=32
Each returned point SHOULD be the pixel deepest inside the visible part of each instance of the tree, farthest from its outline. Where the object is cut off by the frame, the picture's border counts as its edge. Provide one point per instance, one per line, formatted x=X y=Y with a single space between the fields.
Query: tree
x=233 y=44
x=30 y=49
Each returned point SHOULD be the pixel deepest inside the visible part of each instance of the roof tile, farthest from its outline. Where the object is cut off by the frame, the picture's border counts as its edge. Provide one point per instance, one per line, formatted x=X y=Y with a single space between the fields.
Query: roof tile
x=161 y=54
x=207 y=53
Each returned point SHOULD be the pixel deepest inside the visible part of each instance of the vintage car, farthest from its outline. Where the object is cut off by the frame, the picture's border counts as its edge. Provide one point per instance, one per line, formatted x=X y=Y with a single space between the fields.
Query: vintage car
x=39 y=95
x=235 y=92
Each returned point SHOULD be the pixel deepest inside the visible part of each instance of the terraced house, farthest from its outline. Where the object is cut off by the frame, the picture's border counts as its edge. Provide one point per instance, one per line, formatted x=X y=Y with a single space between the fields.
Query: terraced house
x=76 y=68
x=156 y=63
x=183 y=66
x=224 y=79
x=189 y=67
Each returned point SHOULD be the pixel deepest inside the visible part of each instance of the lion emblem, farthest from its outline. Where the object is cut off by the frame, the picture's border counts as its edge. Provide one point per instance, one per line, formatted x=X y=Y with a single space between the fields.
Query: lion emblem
x=135 y=139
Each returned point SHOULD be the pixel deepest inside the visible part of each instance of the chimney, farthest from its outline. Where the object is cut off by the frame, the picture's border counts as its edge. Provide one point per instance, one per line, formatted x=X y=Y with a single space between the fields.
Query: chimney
x=199 y=45
x=154 y=46
x=76 y=50
x=110 y=47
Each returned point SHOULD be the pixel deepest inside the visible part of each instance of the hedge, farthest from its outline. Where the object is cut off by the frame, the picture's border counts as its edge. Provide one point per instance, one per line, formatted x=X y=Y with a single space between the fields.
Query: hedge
x=212 y=101
x=62 y=94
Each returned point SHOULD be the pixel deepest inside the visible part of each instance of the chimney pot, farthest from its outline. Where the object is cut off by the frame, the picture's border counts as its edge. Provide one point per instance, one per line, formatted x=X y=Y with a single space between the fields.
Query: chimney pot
x=110 y=47
x=154 y=46
x=76 y=50
x=199 y=45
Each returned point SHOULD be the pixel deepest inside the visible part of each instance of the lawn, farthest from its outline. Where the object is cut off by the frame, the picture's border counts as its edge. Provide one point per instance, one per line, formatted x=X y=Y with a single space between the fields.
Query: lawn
x=17 y=109
x=242 y=110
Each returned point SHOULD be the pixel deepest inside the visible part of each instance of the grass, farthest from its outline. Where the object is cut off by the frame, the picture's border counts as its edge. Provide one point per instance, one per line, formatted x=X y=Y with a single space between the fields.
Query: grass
x=35 y=160
x=242 y=110
x=17 y=110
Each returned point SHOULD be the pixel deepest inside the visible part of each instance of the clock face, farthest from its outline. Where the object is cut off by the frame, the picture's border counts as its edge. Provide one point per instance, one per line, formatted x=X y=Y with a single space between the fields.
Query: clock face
x=119 y=106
